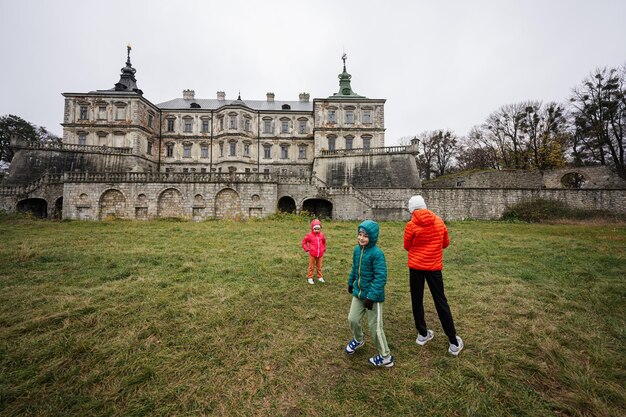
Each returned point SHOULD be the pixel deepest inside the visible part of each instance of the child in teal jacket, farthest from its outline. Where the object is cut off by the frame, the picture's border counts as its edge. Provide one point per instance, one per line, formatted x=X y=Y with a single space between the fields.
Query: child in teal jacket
x=366 y=284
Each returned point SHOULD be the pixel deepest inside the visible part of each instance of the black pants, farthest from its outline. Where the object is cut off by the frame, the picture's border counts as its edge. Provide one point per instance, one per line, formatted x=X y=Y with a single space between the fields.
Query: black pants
x=435 y=284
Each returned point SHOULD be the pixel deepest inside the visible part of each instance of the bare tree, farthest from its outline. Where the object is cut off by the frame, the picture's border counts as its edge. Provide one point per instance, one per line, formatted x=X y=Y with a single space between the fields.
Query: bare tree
x=503 y=128
x=476 y=153
x=599 y=113
x=445 y=149
x=544 y=129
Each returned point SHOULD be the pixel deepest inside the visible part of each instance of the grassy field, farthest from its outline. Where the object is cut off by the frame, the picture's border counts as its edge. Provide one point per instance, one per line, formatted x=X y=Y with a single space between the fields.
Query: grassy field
x=171 y=318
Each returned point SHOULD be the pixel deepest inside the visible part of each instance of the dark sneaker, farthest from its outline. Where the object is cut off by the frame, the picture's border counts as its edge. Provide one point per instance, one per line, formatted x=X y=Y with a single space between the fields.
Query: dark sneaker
x=353 y=346
x=379 y=360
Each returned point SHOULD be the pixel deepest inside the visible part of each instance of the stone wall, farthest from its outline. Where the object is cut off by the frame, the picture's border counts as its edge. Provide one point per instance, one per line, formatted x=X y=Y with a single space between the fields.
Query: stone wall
x=29 y=165
x=487 y=204
x=593 y=177
x=364 y=169
x=192 y=201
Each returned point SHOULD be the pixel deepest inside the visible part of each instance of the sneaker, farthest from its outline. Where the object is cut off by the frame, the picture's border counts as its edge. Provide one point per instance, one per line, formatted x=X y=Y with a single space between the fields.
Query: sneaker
x=310 y=281
x=378 y=360
x=421 y=340
x=455 y=350
x=353 y=346
x=321 y=279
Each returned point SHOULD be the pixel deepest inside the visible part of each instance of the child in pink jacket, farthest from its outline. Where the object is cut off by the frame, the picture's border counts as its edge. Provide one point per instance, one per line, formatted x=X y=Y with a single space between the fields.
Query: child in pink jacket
x=315 y=244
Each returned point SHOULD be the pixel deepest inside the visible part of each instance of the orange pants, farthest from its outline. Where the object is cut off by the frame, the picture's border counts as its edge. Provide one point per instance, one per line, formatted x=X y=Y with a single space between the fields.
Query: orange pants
x=315 y=263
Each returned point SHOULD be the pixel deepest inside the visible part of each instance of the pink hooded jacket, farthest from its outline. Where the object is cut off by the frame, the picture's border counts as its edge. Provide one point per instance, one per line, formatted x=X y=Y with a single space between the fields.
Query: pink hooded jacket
x=314 y=243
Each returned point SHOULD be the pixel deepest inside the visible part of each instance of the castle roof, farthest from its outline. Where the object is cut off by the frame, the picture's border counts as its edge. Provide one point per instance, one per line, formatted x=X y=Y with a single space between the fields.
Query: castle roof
x=214 y=104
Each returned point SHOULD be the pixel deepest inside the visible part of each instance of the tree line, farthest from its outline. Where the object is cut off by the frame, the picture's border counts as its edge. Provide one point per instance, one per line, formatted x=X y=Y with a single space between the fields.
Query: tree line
x=14 y=125
x=588 y=129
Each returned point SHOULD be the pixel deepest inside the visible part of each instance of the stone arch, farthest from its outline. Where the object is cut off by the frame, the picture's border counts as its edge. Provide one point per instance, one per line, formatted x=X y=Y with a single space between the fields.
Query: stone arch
x=574 y=180
x=38 y=207
x=57 y=212
x=319 y=207
x=170 y=203
x=112 y=204
x=287 y=204
x=227 y=204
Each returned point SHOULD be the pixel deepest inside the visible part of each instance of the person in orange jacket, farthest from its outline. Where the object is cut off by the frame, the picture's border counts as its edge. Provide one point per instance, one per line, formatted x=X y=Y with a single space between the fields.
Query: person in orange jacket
x=425 y=237
x=315 y=244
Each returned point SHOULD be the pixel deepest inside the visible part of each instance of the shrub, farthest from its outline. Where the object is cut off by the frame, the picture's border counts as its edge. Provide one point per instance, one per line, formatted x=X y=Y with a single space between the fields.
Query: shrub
x=540 y=210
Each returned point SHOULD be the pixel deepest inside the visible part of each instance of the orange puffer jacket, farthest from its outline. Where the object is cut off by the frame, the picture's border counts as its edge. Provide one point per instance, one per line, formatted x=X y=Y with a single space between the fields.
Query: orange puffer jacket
x=425 y=237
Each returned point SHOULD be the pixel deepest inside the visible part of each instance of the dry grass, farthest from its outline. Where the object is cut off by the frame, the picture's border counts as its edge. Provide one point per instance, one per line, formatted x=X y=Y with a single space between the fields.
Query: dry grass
x=215 y=318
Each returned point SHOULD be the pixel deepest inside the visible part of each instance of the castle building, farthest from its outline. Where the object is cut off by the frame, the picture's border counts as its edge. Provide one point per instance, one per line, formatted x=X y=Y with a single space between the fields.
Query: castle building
x=124 y=156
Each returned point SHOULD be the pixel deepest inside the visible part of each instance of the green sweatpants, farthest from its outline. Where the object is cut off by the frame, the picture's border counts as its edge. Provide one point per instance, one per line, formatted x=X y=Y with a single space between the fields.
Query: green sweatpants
x=374 y=322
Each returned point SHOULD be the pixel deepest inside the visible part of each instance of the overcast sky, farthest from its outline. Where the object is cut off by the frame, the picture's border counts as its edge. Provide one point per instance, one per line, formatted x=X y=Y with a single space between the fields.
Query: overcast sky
x=439 y=64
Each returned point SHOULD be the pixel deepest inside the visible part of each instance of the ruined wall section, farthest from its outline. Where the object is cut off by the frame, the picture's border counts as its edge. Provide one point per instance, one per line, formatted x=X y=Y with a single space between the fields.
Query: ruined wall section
x=594 y=177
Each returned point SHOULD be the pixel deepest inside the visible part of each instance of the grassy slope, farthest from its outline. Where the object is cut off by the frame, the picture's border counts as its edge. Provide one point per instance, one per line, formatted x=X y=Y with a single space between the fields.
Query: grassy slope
x=168 y=318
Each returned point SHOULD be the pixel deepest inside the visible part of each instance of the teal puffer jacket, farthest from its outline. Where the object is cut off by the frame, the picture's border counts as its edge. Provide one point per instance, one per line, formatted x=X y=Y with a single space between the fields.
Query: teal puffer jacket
x=369 y=269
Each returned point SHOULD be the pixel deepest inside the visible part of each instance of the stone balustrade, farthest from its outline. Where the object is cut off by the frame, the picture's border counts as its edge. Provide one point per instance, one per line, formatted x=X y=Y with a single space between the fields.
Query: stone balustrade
x=363 y=151
x=160 y=177
x=52 y=146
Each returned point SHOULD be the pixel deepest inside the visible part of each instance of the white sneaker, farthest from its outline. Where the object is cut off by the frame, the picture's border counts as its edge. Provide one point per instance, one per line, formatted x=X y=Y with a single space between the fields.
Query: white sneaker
x=321 y=279
x=455 y=350
x=379 y=360
x=310 y=281
x=421 y=340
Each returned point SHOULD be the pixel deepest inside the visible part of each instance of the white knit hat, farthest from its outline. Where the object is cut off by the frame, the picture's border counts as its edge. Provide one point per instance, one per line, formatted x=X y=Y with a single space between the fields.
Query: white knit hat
x=416 y=202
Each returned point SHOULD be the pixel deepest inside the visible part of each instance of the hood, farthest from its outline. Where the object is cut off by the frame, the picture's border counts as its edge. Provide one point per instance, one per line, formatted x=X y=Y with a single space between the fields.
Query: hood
x=314 y=222
x=371 y=227
x=423 y=217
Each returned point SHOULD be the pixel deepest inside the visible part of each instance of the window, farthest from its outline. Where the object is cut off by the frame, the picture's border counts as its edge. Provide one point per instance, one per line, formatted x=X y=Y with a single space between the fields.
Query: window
x=246 y=149
x=302 y=151
x=267 y=126
x=204 y=150
x=149 y=148
x=203 y=170
x=169 y=149
x=185 y=170
x=150 y=120
x=187 y=126
x=349 y=140
x=82 y=138
x=170 y=125
x=187 y=150
x=332 y=116
x=102 y=112
x=301 y=126
x=367 y=116
x=284 y=126
x=83 y=113
x=247 y=124
x=120 y=113
x=221 y=147
x=232 y=122
x=366 y=142
x=205 y=125
x=267 y=151
x=349 y=117
x=284 y=151
x=221 y=122
x=331 y=143
x=233 y=148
